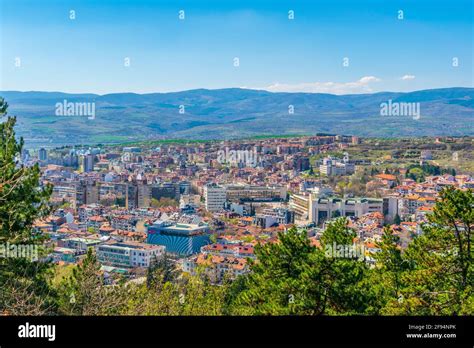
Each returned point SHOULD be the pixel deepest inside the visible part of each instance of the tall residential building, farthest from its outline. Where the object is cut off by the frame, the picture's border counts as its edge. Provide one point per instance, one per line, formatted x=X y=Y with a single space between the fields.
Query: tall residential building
x=92 y=193
x=144 y=195
x=88 y=163
x=42 y=154
x=299 y=203
x=300 y=164
x=165 y=190
x=131 y=196
x=68 y=193
x=215 y=197
x=390 y=208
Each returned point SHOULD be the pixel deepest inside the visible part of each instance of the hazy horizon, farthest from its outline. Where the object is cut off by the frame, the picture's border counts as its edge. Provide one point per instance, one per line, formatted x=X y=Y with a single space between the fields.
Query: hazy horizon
x=229 y=88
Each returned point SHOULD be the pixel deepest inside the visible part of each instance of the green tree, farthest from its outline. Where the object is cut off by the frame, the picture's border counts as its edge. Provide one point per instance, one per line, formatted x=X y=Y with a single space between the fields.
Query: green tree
x=416 y=173
x=188 y=295
x=294 y=277
x=341 y=278
x=163 y=202
x=24 y=287
x=85 y=292
x=213 y=238
x=162 y=269
x=277 y=284
x=385 y=280
x=441 y=278
x=198 y=296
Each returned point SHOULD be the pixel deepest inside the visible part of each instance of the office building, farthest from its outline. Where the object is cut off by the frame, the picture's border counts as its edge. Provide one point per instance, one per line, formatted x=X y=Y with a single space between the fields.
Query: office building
x=179 y=239
x=326 y=208
x=215 y=197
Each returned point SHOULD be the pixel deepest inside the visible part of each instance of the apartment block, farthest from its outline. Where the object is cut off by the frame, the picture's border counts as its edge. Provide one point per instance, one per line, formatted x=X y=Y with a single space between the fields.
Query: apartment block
x=215 y=197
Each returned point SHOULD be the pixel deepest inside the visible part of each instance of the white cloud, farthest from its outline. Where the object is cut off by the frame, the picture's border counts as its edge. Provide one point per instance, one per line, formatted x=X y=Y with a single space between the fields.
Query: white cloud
x=407 y=77
x=360 y=86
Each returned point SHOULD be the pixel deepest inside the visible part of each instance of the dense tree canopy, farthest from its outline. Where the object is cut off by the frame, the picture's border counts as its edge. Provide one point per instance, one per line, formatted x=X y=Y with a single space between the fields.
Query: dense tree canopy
x=24 y=288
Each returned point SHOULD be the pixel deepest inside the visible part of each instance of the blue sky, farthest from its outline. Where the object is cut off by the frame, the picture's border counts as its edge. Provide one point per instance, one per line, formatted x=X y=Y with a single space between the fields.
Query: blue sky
x=87 y=54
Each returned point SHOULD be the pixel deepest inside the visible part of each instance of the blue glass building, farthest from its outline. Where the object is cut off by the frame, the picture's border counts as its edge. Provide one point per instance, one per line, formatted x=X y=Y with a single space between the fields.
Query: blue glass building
x=180 y=239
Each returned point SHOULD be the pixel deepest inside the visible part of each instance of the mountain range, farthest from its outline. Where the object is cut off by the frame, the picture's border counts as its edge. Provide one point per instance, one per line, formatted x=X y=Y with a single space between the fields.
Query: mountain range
x=236 y=113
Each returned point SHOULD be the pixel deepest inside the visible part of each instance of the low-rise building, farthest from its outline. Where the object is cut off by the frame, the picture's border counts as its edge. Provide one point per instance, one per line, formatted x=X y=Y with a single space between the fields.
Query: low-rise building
x=325 y=208
x=216 y=267
x=254 y=193
x=79 y=244
x=128 y=254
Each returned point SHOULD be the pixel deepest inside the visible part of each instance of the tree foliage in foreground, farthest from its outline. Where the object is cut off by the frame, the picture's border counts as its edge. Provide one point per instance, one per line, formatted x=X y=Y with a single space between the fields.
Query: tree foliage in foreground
x=23 y=281
x=440 y=276
x=294 y=277
x=433 y=276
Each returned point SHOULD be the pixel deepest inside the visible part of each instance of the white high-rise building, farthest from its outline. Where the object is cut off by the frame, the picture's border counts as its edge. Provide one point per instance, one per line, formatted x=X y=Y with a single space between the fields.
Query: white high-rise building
x=333 y=166
x=215 y=197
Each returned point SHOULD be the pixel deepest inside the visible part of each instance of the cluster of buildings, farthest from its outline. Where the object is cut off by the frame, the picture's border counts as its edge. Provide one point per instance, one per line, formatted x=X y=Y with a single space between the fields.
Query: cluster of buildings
x=134 y=205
